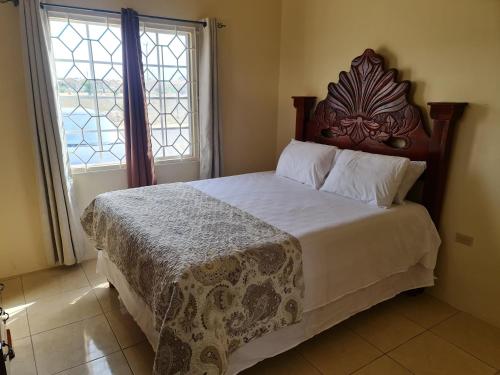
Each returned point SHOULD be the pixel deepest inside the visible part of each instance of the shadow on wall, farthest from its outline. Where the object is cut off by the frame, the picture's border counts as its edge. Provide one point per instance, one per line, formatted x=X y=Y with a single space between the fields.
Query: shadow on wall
x=458 y=266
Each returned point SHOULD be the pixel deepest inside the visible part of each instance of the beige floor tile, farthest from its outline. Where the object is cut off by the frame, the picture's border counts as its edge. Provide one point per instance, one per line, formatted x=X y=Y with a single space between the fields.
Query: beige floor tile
x=383 y=366
x=338 y=351
x=125 y=328
x=13 y=296
x=429 y=354
x=140 y=358
x=423 y=309
x=61 y=309
x=383 y=328
x=113 y=364
x=18 y=323
x=474 y=336
x=291 y=362
x=108 y=297
x=89 y=267
x=73 y=345
x=24 y=363
x=53 y=281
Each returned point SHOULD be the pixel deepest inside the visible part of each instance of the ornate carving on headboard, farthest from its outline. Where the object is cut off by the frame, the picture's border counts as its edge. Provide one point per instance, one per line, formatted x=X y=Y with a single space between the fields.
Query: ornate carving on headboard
x=368 y=103
x=368 y=110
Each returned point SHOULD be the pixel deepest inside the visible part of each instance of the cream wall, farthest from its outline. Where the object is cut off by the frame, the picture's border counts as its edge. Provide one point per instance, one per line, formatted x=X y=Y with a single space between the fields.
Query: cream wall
x=450 y=49
x=20 y=228
x=249 y=65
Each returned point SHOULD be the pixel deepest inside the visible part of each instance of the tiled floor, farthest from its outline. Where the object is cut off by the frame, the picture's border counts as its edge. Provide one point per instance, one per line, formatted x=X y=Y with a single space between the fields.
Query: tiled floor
x=68 y=321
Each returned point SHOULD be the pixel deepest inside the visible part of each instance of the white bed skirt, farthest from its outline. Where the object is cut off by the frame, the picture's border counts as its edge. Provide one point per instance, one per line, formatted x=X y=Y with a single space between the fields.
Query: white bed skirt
x=313 y=323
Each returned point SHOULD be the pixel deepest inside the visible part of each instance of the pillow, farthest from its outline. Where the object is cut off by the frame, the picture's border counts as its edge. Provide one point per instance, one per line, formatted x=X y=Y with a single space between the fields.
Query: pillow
x=306 y=162
x=370 y=178
x=413 y=173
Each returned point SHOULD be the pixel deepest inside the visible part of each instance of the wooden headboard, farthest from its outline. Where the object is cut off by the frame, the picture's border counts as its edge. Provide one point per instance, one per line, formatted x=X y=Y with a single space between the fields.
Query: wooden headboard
x=369 y=110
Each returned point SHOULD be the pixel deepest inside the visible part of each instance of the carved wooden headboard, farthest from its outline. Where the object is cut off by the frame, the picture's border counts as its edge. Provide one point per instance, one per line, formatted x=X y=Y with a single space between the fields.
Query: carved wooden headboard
x=369 y=110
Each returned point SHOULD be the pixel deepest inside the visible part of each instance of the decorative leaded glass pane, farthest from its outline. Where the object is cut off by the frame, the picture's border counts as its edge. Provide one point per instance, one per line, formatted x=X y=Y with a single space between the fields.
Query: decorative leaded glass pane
x=168 y=58
x=87 y=54
x=89 y=83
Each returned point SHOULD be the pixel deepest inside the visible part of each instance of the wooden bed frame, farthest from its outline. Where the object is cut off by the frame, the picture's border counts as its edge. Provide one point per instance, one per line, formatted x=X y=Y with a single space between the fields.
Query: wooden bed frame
x=369 y=110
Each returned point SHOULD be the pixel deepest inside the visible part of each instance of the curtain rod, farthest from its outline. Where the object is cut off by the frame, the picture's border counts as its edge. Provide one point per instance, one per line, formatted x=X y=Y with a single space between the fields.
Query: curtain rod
x=43 y=5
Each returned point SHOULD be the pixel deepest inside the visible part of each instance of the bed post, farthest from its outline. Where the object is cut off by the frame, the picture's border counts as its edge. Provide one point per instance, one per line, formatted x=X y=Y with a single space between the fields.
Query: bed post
x=444 y=118
x=304 y=106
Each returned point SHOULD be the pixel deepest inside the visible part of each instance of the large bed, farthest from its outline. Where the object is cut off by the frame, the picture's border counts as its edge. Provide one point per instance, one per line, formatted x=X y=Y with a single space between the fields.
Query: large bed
x=352 y=255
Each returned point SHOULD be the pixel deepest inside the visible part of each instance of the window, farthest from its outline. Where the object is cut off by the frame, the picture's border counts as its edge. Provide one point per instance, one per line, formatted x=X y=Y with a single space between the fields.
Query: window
x=169 y=62
x=87 y=56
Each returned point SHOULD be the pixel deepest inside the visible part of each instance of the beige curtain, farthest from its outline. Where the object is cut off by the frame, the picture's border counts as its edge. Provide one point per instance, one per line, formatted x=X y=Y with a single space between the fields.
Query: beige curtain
x=210 y=133
x=62 y=229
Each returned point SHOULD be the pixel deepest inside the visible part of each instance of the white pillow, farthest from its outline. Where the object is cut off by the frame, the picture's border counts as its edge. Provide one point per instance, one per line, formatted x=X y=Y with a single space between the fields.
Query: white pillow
x=413 y=173
x=306 y=162
x=370 y=178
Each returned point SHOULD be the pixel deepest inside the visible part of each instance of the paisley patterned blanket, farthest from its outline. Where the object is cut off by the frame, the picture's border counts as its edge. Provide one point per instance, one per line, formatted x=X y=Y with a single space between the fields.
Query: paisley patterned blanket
x=214 y=276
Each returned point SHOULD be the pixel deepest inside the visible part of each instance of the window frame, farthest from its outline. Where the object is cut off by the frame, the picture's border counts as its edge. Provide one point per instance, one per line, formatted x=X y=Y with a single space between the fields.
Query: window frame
x=191 y=31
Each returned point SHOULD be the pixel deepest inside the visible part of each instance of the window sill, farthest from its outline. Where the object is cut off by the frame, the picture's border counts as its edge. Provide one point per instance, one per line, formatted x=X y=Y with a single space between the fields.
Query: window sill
x=115 y=167
x=176 y=161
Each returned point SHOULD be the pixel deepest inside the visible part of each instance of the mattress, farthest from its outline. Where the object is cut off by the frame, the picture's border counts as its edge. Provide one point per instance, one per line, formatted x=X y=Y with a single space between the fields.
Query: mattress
x=346 y=245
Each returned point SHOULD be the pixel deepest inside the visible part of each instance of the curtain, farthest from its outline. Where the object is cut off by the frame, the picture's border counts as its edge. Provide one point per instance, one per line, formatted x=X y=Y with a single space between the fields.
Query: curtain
x=61 y=225
x=138 y=150
x=210 y=138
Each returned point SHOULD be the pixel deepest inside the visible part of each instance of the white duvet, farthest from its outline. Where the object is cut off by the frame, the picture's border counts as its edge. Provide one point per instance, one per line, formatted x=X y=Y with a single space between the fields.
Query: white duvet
x=346 y=244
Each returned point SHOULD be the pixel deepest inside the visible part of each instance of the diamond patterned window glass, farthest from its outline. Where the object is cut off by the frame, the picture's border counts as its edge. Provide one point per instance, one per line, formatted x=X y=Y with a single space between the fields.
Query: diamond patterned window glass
x=169 y=73
x=87 y=54
x=88 y=63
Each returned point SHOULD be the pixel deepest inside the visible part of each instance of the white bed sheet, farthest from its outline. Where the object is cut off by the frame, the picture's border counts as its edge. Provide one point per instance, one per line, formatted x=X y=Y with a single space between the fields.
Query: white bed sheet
x=347 y=245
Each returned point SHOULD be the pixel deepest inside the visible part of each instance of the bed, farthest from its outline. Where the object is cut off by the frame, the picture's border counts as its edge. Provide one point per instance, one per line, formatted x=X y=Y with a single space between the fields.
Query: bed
x=348 y=256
